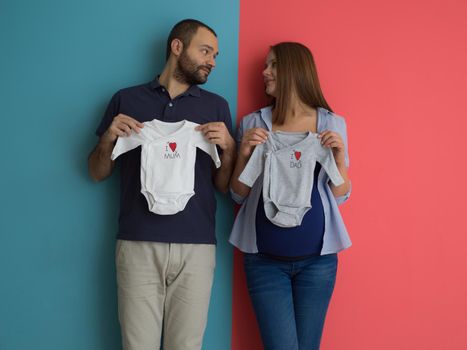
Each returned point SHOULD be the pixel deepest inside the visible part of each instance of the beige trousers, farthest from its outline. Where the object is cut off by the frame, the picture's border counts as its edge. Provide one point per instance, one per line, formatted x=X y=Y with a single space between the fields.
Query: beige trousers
x=163 y=292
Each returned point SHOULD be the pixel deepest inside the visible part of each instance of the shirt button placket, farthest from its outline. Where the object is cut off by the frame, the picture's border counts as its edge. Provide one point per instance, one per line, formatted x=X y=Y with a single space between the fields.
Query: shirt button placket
x=168 y=111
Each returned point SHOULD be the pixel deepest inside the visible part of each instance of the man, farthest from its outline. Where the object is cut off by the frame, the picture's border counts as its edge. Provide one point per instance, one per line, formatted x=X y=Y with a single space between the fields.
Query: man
x=165 y=263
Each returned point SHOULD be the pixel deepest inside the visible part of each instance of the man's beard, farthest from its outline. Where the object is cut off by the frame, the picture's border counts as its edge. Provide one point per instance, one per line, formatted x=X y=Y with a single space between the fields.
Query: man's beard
x=188 y=72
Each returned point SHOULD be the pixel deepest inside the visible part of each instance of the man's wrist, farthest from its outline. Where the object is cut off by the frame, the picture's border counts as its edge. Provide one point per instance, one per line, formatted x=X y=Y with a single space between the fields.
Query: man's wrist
x=230 y=146
x=228 y=154
x=107 y=141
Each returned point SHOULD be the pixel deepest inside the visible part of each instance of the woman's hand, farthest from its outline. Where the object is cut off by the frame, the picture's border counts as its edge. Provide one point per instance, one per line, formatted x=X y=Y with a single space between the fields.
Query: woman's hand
x=250 y=139
x=334 y=141
x=331 y=139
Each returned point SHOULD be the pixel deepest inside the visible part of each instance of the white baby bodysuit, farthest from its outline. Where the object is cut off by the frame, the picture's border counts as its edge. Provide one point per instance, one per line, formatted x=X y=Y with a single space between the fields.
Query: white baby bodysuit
x=168 y=155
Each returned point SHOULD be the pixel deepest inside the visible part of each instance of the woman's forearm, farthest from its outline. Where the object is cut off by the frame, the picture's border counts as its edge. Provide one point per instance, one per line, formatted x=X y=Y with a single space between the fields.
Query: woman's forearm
x=341 y=190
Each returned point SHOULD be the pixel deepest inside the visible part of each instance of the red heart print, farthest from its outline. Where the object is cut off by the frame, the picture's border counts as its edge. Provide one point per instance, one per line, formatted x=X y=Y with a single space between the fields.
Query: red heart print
x=298 y=155
x=173 y=146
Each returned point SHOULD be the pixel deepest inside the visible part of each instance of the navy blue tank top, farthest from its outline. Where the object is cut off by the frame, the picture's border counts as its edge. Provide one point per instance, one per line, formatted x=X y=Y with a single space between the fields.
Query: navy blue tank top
x=300 y=241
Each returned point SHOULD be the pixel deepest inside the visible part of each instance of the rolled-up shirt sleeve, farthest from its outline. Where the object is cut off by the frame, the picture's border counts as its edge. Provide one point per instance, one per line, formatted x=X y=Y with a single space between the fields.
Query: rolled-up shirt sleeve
x=342 y=199
x=343 y=132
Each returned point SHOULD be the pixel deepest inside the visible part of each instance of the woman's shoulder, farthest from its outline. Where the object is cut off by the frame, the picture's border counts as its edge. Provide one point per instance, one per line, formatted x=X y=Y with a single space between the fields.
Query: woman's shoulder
x=332 y=120
x=256 y=119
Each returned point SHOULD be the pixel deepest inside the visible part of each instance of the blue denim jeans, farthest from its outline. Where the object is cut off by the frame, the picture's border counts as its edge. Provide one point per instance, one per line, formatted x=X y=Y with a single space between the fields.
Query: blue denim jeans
x=290 y=298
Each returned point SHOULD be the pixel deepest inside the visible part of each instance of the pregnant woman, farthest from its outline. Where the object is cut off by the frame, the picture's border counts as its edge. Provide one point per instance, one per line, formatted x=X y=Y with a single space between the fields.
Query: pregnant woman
x=289 y=225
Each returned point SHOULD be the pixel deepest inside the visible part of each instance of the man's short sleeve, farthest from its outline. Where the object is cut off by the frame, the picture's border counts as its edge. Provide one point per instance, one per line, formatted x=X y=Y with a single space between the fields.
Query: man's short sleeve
x=112 y=110
x=225 y=116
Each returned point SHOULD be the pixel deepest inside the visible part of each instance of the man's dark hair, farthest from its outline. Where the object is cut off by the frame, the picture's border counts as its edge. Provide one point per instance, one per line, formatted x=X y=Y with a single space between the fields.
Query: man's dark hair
x=184 y=31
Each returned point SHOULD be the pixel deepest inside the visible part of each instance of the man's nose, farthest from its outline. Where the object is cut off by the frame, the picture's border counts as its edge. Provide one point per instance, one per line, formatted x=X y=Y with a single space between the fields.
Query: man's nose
x=212 y=62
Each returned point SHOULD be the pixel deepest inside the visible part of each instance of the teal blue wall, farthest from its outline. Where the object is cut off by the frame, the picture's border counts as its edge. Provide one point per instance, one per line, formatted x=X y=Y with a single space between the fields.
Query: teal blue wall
x=60 y=62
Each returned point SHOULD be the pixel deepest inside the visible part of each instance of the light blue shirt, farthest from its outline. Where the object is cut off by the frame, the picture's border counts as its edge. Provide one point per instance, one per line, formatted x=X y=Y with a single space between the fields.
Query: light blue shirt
x=336 y=238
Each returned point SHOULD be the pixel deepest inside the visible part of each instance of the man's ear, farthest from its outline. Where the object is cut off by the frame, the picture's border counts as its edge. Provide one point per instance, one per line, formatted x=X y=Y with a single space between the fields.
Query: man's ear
x=176 y=47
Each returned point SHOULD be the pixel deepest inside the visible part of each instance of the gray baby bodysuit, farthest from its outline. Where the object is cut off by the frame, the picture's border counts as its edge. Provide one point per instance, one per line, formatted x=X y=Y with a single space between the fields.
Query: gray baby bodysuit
x=288 y=160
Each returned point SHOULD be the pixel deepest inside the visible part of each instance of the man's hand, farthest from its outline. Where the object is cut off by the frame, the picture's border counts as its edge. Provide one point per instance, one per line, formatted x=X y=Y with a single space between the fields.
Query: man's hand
x=218 y=134
x=121 y=126
x=99 y=162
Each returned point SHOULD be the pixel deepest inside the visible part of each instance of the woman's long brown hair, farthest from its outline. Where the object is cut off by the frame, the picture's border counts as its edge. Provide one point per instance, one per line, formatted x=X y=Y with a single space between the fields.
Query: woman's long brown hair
x=296 y=71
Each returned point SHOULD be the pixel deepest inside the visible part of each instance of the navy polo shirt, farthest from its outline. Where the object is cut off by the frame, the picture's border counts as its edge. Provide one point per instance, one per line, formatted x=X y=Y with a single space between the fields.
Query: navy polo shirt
x=196 y=223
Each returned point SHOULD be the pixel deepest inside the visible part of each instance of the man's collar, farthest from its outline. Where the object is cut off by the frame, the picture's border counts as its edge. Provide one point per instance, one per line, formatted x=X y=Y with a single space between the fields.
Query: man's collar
x=193 y=90
x=155 y=83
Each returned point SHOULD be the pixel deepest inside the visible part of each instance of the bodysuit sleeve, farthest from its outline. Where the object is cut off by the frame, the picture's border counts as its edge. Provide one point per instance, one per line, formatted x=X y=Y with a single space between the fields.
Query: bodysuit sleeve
x=254 y=167
x=127 y=143
x=199 y=141
x=327 y=161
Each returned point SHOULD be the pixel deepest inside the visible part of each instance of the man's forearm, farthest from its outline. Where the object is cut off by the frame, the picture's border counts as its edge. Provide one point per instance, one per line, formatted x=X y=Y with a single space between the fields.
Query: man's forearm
x=223 y=174
x=99 y=162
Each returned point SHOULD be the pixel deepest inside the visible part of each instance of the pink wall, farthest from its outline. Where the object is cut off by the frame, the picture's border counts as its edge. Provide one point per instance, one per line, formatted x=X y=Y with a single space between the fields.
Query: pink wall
x=397 y=71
